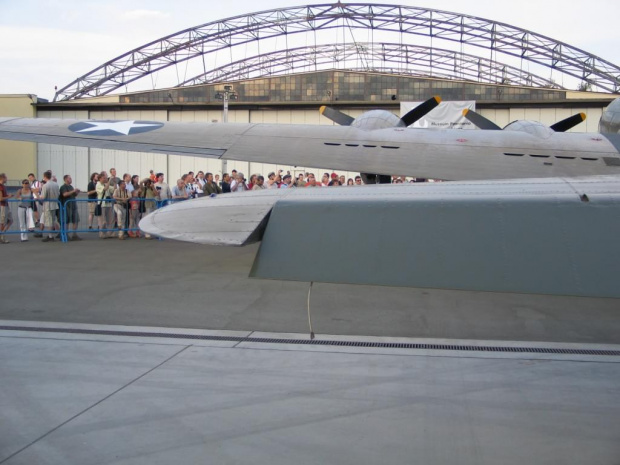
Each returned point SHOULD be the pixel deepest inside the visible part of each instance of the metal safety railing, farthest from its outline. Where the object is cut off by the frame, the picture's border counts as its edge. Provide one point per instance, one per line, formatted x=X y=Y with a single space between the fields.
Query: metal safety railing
x=106 y=217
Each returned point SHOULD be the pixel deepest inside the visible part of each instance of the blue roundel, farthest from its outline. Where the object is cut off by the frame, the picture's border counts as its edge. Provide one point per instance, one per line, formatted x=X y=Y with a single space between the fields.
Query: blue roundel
x=114 y=127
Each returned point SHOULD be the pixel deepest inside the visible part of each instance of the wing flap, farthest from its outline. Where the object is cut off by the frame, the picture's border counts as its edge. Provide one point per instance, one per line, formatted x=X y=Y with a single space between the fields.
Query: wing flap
x=543 y=237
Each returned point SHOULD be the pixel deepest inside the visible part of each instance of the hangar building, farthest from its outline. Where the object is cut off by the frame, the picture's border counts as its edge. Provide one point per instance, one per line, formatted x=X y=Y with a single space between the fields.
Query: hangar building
x=280 y=66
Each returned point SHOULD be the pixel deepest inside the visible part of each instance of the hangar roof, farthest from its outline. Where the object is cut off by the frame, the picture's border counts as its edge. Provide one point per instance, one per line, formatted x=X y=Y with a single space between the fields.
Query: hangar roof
x=343 y=36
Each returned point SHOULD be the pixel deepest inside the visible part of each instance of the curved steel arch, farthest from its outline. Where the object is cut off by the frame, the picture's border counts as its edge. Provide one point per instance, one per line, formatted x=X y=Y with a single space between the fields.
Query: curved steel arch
x=403 y=20
x=417 y=60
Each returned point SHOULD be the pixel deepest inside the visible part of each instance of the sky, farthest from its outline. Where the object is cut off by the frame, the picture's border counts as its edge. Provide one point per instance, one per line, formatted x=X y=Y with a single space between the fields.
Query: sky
x=47 y=43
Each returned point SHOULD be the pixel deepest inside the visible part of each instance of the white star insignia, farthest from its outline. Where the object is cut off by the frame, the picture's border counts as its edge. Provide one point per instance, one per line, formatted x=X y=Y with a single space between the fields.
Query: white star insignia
x=122 y=127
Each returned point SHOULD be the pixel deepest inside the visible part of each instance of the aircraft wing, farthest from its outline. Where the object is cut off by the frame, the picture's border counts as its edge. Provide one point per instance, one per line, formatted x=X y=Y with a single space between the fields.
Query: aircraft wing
x=443 y=154
x=139 y=136
x=544 y=236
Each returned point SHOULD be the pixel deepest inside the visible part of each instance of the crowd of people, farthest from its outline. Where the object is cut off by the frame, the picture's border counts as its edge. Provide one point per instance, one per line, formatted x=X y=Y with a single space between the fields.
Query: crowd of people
x=116 y=205
x=38 y=206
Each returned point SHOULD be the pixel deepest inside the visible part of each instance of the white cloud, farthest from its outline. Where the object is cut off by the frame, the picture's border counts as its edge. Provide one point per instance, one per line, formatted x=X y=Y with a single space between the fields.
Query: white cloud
x=143 y=14
x=37 y=59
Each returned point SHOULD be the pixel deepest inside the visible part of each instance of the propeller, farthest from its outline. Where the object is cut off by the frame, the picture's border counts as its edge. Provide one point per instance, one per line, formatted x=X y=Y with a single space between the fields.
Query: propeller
x=420 y=111
x=337 y=116
x=568 y=123
x=411 y=117
x=480 y=121
x=560 y=126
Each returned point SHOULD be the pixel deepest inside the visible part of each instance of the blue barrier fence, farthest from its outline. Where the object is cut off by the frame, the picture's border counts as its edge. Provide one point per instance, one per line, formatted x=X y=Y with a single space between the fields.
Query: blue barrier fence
x=80 y=216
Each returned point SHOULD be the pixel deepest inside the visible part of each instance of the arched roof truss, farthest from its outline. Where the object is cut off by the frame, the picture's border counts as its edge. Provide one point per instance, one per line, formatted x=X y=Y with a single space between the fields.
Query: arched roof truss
x=316 y=25
x=400 y=59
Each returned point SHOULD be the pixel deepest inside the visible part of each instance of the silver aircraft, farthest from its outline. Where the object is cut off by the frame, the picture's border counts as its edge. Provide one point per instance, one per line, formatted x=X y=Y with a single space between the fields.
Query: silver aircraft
x=377 y=142
x=542 y=216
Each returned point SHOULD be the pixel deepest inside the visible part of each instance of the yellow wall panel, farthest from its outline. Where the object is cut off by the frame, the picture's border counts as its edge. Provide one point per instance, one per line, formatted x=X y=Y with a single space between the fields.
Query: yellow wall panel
x=17 y=159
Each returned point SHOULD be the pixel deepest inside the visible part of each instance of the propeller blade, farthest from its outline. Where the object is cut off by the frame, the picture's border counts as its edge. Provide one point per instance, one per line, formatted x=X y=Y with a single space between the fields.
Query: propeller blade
x=420 y=111
x=568 y=123
x=480 y=121
x=336 y=116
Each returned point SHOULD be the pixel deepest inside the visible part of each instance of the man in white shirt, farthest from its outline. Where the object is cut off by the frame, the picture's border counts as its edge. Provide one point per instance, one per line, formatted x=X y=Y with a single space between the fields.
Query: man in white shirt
x=162 y=188
x=128 y=184
x=199 y=184
x=35 y=186
x=325 y=180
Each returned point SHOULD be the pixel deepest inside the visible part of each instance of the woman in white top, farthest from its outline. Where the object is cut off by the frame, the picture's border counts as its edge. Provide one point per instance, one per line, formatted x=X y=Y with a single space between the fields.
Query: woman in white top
x=24 y=210
x=103 y=209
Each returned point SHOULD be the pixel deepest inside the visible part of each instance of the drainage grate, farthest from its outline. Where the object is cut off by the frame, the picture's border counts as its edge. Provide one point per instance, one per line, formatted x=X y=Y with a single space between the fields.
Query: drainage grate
x=321 y=342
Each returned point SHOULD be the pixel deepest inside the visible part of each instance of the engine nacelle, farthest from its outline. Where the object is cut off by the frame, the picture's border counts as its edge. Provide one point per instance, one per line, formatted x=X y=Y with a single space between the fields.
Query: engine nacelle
x=377 y=119
x=610 y=121
x=531 y=127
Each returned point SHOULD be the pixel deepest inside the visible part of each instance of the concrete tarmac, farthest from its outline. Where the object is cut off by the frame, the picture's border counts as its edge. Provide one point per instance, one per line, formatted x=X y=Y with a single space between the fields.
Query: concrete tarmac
x=76 y=399
x=136 y=351
x=174 y=284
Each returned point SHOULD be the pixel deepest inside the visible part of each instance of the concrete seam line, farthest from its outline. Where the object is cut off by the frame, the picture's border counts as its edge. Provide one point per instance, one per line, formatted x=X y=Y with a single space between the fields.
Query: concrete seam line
x=94 y=405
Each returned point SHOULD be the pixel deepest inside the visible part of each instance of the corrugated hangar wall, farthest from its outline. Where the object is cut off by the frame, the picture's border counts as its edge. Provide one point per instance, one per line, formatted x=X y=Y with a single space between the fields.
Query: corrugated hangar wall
x=80 y=162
